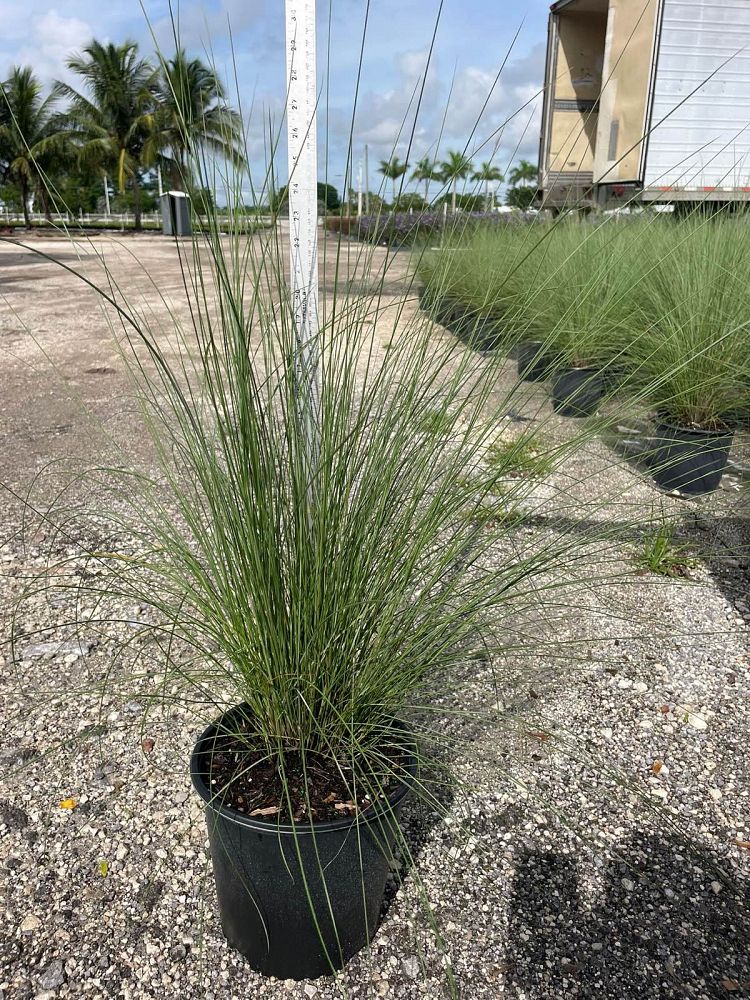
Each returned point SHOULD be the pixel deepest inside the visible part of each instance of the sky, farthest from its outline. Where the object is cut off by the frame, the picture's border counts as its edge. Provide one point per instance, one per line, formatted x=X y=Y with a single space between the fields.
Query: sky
x=464 y=102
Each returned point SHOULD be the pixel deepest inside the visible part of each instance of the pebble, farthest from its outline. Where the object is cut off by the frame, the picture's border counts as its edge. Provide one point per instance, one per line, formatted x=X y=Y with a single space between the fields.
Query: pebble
x=410 y=966
x=697 y=721
x=310 y=990
x=628 y=884
x=30 y=923
x=53 y=976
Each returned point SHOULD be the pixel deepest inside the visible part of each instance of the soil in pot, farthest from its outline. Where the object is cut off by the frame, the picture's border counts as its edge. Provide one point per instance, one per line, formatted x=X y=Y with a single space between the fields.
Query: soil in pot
x=534 y=363
x=576 y=391
x=689 y=459
x=296 y=898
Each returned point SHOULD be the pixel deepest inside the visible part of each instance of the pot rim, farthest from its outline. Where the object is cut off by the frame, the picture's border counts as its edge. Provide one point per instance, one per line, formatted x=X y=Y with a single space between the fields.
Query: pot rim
x=697 y=431
x=291 y=829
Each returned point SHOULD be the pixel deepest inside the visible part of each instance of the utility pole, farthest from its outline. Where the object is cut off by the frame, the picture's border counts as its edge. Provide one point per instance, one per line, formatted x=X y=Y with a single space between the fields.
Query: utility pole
x=106 y=196
x=367 y=180
x=359 y=190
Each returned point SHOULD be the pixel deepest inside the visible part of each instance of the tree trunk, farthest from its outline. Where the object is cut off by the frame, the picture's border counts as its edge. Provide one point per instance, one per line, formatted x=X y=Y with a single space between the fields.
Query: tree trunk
x=25 y=199
x=393 y=183
x=453 y=198
x=487 y=195
x=427 y=190
x=137 y=202
x=47 y=205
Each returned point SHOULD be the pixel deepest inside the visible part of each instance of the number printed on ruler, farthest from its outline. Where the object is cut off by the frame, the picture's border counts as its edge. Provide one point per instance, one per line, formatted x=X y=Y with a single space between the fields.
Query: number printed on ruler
x=303 y=169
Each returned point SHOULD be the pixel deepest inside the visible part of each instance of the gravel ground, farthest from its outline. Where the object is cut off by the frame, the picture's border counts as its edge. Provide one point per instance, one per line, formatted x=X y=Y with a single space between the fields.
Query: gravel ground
x=598 y=840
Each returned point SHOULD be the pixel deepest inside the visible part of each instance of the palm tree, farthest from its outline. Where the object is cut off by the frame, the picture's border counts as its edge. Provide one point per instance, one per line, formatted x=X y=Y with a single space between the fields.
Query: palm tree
x=111 y=122
x=424 y=172
x=456 y=166
x=487 y=173
x=523 y=173
x=192 y=114
x=30 y=142
x=394 y=169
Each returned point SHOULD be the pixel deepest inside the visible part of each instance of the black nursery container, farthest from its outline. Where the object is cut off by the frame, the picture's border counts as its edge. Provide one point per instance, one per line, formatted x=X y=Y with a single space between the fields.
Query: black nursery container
x=446 y=311
x=576 y=391
x=534 y=364
x=274 y=881
x=482 y=333
x=691 y=461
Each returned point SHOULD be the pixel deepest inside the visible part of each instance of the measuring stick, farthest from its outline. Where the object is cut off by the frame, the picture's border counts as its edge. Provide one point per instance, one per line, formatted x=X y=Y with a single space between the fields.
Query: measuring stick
x=303 y=208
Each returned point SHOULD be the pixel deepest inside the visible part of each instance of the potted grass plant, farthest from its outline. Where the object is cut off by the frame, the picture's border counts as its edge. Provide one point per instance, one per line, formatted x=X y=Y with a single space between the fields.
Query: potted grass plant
x=583 y=304
x=692 y=365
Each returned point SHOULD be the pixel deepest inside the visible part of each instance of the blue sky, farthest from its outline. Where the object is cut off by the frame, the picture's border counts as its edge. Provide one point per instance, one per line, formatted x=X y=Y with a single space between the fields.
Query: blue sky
x=474 y=37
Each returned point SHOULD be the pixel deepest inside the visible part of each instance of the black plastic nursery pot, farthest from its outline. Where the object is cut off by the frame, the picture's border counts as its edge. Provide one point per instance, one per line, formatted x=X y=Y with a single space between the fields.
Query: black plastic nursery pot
x=482 y=333
x=534 y=363
x=298 y=900
x=689 y=460
x=576 y=391
x=445 y=311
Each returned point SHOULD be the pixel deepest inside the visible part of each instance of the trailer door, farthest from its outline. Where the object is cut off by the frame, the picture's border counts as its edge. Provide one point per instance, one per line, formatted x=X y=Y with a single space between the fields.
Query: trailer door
x=700 y=117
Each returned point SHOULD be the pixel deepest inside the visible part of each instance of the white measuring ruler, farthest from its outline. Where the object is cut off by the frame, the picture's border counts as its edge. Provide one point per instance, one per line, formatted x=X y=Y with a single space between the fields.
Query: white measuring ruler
x=303 y=204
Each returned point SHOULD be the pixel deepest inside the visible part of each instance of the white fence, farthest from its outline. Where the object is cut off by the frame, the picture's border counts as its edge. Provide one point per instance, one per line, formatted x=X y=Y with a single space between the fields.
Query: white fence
x=124 y=219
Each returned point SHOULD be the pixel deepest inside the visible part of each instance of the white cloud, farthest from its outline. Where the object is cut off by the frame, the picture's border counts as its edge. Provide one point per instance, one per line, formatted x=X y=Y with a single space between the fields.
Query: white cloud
x=53 y=38
x=473 y=108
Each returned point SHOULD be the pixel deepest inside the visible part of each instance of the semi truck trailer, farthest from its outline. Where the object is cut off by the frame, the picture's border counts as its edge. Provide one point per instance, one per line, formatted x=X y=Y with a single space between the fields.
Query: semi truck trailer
x=646 y=101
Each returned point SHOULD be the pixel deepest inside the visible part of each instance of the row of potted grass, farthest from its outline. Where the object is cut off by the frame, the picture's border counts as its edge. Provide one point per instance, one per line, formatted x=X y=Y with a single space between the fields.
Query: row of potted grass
x=657 y=307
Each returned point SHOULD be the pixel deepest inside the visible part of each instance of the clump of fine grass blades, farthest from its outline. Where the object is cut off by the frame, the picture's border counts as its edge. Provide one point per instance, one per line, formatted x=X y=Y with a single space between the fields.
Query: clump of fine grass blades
x=583 y=305
x=662 y=305
x=491 y=272
x=527 y=455
x=662 y=555
x=692 y=362
x=320 y=556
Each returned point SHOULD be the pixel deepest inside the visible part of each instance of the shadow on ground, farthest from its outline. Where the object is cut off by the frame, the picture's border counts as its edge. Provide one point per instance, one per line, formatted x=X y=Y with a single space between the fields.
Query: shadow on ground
x=667 y=921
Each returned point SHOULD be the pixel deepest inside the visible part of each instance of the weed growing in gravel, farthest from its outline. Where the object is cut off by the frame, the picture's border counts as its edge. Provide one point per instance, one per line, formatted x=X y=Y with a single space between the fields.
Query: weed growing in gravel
x=660 y=553
x=527 y=455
